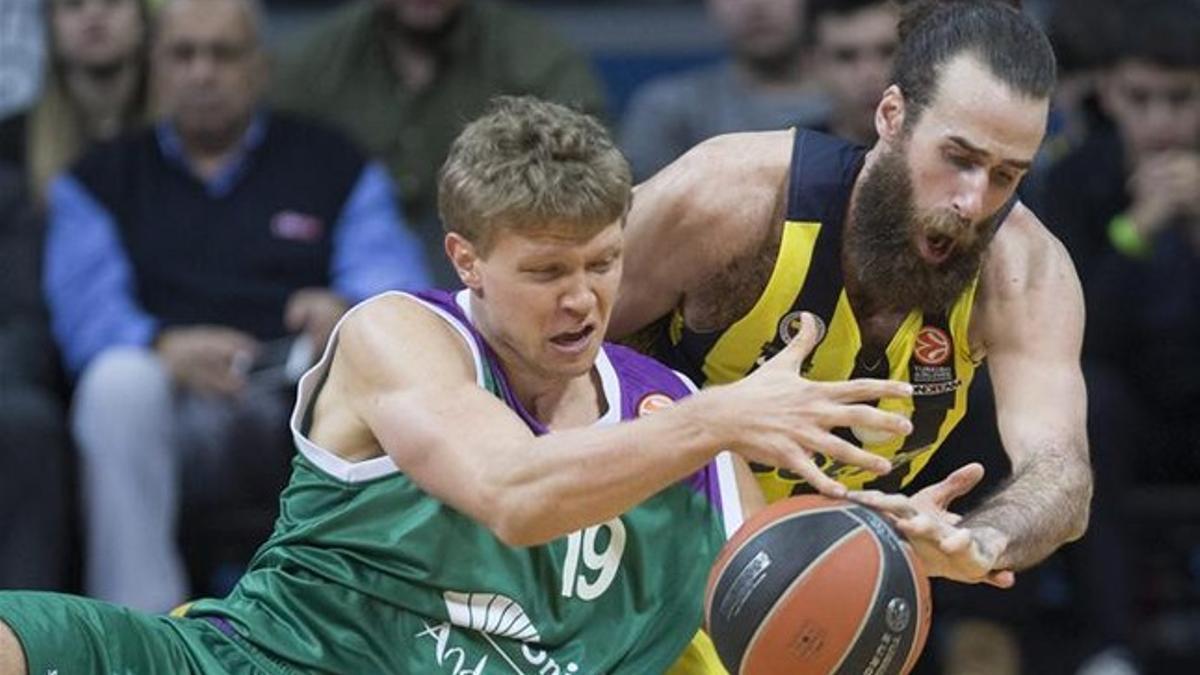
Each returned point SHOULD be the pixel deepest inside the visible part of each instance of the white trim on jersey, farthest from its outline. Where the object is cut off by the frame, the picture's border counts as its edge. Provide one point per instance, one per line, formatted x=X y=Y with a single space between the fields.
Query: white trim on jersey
x=609 y=381
x=731 y=496
x=732 y=514
x=330 y=463
x=376 y=467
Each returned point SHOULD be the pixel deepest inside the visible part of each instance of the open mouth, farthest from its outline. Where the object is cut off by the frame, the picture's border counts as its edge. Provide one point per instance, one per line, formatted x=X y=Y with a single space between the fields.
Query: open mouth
x=936 y=248
x=573 y=341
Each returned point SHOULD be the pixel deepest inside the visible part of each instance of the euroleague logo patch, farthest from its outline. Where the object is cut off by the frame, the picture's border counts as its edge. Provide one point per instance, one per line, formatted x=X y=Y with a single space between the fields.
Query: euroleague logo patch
x=652 y=403
x=789 y=327
x=933 y=346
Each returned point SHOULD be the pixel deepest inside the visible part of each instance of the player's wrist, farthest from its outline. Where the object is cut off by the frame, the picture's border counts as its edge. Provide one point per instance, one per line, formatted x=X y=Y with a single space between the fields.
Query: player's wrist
x=708 y=419
x=991 y=543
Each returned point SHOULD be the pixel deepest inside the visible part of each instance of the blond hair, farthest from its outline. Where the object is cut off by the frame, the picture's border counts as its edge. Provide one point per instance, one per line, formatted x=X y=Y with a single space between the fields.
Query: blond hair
x=532 y=166
x=56 y=133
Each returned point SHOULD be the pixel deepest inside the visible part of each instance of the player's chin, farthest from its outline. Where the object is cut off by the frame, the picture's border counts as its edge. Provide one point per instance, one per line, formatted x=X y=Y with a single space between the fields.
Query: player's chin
x=572 y=363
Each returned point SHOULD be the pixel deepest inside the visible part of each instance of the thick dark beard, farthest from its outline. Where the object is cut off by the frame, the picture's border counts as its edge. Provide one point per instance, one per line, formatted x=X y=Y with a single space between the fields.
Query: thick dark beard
x=881 y=253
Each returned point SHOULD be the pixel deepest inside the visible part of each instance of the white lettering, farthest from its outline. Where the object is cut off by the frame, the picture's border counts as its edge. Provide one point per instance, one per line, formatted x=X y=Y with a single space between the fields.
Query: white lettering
x=532 y=656
x=607 y=561
x=440 y=634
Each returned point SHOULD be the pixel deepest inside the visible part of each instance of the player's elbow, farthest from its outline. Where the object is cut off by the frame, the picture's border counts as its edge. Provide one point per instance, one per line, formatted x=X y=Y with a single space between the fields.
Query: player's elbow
x=519 y=531
x=515 y=536
x=514 y=523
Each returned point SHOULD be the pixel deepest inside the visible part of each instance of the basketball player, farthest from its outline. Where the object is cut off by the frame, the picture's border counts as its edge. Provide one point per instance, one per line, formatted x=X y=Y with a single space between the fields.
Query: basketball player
x=466 y=497
x=918 y=259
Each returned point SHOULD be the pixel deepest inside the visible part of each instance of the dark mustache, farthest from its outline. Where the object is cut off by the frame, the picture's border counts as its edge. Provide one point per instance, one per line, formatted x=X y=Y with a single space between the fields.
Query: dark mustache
x=949 y=224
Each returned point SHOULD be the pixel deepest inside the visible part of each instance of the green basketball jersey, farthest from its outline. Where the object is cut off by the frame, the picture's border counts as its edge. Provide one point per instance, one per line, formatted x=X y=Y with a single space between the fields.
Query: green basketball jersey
x=366 y=573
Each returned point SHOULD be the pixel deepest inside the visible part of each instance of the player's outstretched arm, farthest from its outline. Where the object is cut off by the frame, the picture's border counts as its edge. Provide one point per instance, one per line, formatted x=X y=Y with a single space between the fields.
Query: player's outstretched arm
x=1030 y=321
x=409 y=378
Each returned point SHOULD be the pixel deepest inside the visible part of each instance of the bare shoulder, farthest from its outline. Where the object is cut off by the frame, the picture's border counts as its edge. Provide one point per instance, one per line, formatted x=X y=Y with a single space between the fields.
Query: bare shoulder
x=727 y=189
x=710 y=208
x=394 y=339
x=1027 y=280
x=1025 y=257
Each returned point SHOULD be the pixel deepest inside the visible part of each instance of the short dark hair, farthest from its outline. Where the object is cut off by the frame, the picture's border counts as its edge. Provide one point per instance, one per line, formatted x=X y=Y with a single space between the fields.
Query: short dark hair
x=815 y=10
x=1008 y=43
x=1163 y=32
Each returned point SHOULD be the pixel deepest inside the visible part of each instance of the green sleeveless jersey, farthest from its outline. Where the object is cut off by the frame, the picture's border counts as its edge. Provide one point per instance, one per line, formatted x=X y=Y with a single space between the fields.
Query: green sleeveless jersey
x=366 y=573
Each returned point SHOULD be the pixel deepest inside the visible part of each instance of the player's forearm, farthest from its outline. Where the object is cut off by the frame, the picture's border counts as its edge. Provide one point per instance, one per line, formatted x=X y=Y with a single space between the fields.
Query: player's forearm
x=1042 y=506
x=581 y=477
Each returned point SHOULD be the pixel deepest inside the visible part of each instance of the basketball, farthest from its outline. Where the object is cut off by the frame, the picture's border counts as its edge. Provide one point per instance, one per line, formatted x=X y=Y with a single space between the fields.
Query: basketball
x=813 y=585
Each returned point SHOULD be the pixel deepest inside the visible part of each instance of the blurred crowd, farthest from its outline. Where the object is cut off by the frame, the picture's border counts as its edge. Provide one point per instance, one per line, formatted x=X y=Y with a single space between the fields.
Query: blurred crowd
x=190 y=200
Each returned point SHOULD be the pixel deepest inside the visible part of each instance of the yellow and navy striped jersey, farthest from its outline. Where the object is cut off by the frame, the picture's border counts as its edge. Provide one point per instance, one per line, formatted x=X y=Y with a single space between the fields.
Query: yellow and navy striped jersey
x=930 y=350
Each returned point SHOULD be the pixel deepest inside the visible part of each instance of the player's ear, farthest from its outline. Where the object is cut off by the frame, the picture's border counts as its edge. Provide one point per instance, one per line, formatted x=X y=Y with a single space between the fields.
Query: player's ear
x=465 y=258
x=889 y=115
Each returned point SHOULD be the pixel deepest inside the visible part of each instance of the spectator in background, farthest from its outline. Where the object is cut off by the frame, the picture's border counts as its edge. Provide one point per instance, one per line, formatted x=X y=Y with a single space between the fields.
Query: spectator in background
x=1085 y=34
x=94 y=87
x=33 y=439
x=852 y=44
x=403 y=76
x=762 y=86
x=22 y=46
x=174 y=255
x=1127 y=205
x=1126 y=188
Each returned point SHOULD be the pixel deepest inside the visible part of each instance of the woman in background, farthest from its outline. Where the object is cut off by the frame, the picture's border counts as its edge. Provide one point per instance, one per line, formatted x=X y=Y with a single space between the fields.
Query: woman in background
x=94 y=86
x=93 y=89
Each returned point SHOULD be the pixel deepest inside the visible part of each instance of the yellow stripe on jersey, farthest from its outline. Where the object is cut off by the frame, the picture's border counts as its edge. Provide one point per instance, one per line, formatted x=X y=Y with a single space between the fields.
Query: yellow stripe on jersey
x=739 y=346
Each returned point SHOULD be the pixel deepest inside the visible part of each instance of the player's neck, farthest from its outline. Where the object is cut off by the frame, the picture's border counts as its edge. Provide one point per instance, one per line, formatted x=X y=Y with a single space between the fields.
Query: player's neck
x=558 y=400
x=560 y=403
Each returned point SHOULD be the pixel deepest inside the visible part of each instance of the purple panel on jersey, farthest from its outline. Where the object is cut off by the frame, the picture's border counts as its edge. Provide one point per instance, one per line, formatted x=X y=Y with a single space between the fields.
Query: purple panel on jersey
x=641 y=379
x=643 y=384
x=446 y=300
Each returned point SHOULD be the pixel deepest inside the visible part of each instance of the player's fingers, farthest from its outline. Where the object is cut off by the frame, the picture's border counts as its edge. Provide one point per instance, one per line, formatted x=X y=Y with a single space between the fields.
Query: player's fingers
x=1001 y=579
x=861 y=416
x=803 y=465
x=793 y=355
x=932 y=528
x=867 y=389
x=918 y=527
x=955 y=541
x=895 y=504
x=847 y=453
x=960 y=482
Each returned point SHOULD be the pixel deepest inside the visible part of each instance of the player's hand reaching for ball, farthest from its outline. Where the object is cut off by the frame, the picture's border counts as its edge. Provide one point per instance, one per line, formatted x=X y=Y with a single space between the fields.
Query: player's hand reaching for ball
x=781 y=419
x=945 y=546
